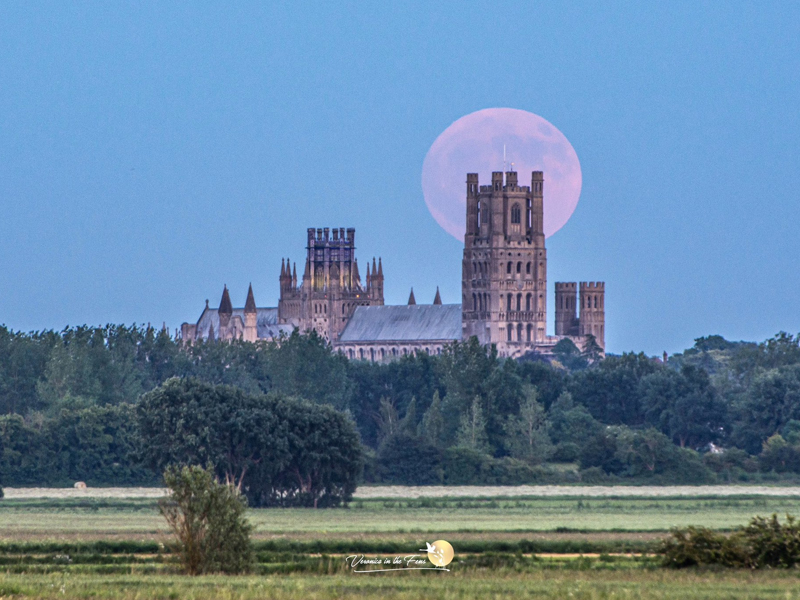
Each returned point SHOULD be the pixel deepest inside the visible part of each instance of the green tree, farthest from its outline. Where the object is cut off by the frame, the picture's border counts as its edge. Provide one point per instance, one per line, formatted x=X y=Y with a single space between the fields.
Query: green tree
x=570 y=423
x=409 y=460
x=610 y=391
x=277 y=450
x=208 y=520
x=771 y=401
x=388 y=420
x=568 y=355
x=472 y=430
x=683 y=405
x=432 y=426
x=527 y=437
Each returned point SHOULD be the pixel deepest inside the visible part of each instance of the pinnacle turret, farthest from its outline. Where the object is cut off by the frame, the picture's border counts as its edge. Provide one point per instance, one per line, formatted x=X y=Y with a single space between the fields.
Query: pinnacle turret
x=411 y=300
x=250 y=304
x=438 y=299
x=225 y=306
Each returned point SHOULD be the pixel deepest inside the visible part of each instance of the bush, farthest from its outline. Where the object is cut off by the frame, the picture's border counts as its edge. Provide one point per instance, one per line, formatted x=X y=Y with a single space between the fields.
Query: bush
x=463 y=466
x=278 y=450
x=566 y=452
x=764 y=543
x=207 y=518
x=408 y=460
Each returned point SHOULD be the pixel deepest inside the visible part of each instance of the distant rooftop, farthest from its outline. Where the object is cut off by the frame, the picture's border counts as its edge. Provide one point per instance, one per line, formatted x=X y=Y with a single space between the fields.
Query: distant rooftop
x=404 y=323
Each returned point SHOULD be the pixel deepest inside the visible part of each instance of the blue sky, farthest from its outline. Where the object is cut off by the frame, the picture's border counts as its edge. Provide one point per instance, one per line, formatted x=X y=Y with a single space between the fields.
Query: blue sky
x=152 y=152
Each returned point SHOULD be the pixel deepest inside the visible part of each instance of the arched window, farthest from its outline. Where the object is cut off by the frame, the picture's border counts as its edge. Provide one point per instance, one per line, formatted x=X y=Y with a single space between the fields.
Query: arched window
x=519 y=332
x=519 y=267
x=530 y=333
x=474 y=303
x=510 y=329
x=595 y=301
x=372 y=354
x=528 y=302
x=480 y=302
x=519 y=301
x=528 y=268
x=510 y=300
x=383 y=353
x=361 y=353
x=515 y=215
x=508 y=267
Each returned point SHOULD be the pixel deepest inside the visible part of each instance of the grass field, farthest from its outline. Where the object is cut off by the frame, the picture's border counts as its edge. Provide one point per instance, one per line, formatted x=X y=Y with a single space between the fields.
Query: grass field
x=140 y=518
x=487 y=585
x=569 y=546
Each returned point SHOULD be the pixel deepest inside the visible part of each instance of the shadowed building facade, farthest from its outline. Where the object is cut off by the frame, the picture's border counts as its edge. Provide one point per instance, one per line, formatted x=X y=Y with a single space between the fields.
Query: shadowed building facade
x=504 y=290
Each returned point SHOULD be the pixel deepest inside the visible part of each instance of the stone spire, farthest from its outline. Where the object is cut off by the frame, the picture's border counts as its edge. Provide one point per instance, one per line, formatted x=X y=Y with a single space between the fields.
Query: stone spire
x=211 y=333
x=411 y=300
x=356 y=276
x=380 y=268
x=225 y=306
x=225 y=312
x=250 y=317
x=438 y=299
x=250 y=304
x=294 y=275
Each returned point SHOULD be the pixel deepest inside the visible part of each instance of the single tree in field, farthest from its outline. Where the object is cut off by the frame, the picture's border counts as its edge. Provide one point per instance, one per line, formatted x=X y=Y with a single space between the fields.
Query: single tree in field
x=208 y=520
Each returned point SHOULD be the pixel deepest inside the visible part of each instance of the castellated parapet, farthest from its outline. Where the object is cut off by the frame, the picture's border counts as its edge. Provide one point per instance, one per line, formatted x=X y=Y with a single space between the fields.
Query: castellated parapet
x=331 y=286
x=567 y=308
x=592 y=310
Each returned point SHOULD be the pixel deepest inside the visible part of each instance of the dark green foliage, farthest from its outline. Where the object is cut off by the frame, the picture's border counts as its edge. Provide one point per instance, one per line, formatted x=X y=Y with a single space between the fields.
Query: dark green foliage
x=779 y=456
x=771 y=401
x=699 y=546
x=409 y=460
x=95 y=444
x=466 y=466
x=568 y=354
x=683 y=405
x=764 y=543
x=611 y=391
x=208 y=520
x=60 y=393
x=276 y=449
x=645 y=454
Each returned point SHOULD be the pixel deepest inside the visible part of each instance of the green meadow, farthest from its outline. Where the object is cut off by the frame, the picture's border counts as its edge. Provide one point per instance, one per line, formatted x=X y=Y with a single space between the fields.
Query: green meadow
x=48 y=518
x=506 y=547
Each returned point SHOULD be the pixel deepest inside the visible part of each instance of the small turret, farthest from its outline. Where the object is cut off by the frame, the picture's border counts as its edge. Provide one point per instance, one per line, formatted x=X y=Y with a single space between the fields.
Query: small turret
x=250 y=303
x=250 y=317
x=437 y=301
x=356 y=276
x=225 y=312
x=411 y=300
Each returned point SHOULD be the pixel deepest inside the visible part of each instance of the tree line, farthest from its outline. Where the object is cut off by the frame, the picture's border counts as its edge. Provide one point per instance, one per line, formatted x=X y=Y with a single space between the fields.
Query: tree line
x=75 y=403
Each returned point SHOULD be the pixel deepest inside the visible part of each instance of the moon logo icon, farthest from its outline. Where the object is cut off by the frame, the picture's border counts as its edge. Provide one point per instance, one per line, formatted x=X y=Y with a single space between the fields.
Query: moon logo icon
x=476 y=142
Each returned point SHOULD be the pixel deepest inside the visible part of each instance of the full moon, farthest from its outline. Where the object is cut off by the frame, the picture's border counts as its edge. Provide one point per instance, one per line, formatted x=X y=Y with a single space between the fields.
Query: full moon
x=474 y=144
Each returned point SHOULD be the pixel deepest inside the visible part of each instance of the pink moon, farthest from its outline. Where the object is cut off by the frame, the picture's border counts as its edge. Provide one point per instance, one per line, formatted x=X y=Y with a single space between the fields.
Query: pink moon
x=474 y=144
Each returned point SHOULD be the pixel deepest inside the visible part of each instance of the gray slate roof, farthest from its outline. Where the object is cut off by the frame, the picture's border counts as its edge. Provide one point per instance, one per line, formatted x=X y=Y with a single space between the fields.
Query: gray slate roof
x=266 y=322
x=403 y=323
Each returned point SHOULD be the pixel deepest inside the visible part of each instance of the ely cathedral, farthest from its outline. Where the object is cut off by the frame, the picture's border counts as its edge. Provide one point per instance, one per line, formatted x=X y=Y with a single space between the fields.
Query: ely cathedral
x=503 y=285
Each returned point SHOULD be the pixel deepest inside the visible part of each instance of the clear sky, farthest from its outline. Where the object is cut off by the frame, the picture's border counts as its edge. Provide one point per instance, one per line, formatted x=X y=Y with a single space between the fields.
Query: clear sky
x=152 y=152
